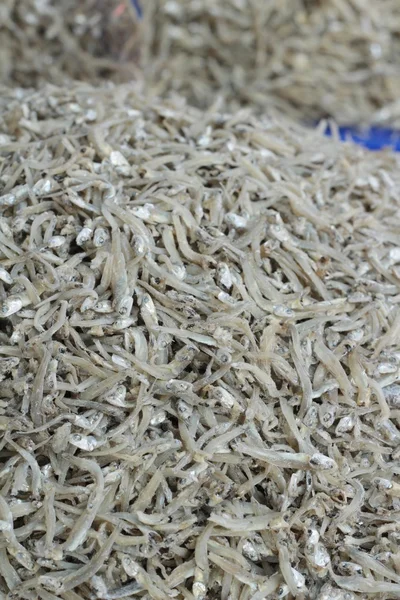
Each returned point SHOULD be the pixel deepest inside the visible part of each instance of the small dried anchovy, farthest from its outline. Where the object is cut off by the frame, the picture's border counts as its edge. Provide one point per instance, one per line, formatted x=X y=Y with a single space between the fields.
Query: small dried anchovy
x=199 y=354
x=308 y=58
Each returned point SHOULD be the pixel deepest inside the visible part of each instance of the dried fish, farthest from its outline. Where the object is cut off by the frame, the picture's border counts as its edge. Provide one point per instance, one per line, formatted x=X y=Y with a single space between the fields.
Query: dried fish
x=46 y=41
x=196 y=398
x=307 y=59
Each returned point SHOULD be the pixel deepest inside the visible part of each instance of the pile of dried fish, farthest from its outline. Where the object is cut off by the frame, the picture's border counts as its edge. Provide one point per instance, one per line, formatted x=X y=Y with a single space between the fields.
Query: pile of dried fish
x=309 y=58
x=199 y=344
x=50 y=40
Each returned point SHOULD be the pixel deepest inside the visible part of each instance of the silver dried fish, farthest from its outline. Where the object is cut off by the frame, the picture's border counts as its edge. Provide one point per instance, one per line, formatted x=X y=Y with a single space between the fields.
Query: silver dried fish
x=187 y=405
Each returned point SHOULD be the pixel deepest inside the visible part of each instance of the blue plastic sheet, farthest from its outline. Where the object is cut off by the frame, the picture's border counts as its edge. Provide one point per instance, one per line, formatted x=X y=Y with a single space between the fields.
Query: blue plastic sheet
x=375 y=138
x=138 y=8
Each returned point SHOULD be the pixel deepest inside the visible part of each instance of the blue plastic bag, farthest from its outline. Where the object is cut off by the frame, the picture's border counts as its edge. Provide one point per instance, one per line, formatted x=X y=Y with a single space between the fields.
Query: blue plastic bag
x=375 y=138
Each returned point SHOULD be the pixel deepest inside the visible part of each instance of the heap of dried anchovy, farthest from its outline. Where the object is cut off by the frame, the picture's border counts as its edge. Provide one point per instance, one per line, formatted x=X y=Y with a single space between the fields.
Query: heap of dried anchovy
x=50 y=40
x=310 y=58
x=199 y=343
